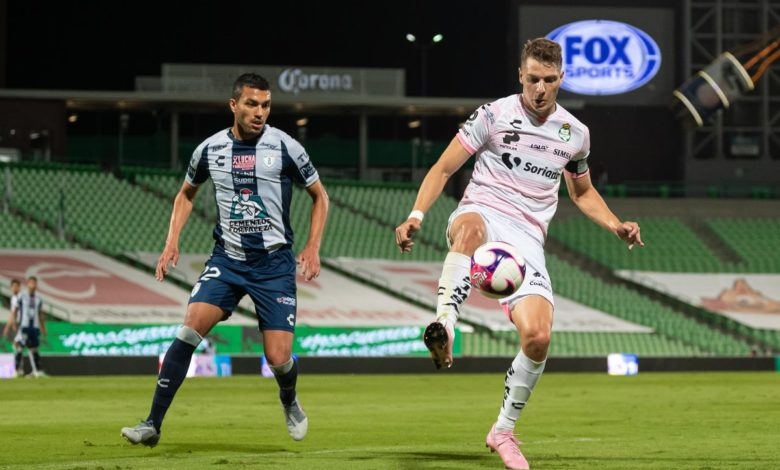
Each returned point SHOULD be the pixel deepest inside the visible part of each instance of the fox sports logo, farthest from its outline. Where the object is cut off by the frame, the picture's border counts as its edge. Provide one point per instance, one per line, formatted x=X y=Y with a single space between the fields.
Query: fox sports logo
x=602 y=57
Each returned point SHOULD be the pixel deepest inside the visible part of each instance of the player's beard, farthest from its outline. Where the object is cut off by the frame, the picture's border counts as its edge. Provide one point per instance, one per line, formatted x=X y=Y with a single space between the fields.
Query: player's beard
x=255 y=127
x=249 y=132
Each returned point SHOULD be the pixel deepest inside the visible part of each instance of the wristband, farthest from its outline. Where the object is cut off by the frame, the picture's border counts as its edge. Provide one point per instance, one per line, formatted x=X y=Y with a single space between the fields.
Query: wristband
x=416 y=214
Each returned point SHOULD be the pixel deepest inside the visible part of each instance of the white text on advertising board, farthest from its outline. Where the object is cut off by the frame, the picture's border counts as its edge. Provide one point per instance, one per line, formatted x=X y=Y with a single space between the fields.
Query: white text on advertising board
x=296 y=81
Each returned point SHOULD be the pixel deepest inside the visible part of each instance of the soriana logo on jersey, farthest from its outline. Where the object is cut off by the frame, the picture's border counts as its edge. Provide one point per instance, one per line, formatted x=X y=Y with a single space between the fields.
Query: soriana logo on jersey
x=602 y=57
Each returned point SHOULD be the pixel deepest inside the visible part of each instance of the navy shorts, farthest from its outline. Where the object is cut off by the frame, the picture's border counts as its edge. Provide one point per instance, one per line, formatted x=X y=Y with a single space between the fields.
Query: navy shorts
x=30 y=337
x=270 y=283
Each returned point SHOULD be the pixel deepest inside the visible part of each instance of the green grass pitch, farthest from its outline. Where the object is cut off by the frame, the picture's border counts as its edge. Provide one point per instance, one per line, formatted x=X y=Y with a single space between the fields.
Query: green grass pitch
x=429 y=421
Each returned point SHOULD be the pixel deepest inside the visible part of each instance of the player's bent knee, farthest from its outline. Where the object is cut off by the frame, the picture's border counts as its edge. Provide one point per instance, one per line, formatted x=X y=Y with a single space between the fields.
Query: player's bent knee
x=202 y=317
x=538 y=338
x=277 y=355
x=468 y=238
x=535 y=343
x=275 y=360
x=281 y=368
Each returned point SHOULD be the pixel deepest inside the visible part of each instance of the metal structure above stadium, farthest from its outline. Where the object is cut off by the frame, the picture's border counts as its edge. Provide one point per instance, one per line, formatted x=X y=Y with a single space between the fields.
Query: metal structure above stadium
x=80 y=100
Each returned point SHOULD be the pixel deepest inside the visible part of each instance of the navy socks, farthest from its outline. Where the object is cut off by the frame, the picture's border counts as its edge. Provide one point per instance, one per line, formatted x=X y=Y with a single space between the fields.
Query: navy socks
x=286 y=376
x=173 y=372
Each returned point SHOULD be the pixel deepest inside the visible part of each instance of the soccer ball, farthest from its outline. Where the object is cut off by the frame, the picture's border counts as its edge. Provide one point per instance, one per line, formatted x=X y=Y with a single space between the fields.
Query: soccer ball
x=497 y=269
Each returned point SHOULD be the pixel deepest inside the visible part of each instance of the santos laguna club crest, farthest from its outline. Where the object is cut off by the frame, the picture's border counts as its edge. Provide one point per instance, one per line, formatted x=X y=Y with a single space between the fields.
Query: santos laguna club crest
x=268 y=160
x=565 y=132
x=248 y=213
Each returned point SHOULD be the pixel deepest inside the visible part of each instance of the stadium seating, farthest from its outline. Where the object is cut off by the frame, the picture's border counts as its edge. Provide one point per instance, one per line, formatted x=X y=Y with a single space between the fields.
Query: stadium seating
x=18 y=233
x=352 y=233
x=101 y=211
x=117 y=215
x=602 y=343
x=166 y=185
x=390 y=205
x=682 y=250
x=579 y=344
x=754 y=239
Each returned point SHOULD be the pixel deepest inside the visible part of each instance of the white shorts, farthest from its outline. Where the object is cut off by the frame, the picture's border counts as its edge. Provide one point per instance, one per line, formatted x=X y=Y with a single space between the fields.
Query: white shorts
x=500 y=228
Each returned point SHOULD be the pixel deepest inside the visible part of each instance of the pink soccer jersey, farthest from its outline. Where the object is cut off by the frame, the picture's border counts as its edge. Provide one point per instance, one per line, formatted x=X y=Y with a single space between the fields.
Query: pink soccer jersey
x=520 y=160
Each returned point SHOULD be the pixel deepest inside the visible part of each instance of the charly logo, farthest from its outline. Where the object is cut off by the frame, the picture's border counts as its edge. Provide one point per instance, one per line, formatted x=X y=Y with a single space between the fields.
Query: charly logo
x=296 y=80
x=602 y=57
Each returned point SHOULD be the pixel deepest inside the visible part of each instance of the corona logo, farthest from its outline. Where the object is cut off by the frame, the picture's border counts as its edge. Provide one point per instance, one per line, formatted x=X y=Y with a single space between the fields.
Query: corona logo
x=602 y=57
x=296 y=80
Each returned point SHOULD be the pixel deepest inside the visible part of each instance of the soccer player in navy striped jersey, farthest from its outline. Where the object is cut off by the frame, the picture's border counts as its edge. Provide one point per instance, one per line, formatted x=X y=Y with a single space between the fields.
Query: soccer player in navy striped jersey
x=253 y=167
x=28 y=322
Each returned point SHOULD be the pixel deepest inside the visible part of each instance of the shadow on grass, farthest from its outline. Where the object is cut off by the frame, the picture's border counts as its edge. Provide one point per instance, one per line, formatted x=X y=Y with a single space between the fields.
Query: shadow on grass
x=404 y=460
x=237 y=455
x=225 y=448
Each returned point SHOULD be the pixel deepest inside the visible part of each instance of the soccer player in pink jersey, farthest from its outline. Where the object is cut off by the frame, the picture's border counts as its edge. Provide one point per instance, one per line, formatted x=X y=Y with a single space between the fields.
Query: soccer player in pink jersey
x=523 y=144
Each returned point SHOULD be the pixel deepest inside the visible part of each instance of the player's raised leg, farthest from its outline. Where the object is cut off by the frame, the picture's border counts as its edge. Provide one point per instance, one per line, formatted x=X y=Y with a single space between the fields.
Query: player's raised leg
x=466 y=233
x=532 y=315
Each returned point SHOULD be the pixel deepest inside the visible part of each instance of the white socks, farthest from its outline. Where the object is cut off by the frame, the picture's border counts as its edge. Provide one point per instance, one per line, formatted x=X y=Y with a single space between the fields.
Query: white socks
x=520 y=381
x=454 y=287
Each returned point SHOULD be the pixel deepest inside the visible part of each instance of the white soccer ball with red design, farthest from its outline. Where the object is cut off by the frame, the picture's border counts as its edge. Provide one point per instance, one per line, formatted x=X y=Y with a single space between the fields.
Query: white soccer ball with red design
x=497 y=269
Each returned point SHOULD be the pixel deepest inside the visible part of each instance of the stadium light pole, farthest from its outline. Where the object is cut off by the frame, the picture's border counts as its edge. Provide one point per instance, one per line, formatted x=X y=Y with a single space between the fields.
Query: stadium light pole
x=423 y=47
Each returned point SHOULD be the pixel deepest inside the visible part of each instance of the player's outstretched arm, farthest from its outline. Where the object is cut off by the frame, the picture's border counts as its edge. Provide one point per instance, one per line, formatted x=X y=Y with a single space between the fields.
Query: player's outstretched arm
x=453 y=157
x=182 y=208
x=308 y=259
x=589 y=201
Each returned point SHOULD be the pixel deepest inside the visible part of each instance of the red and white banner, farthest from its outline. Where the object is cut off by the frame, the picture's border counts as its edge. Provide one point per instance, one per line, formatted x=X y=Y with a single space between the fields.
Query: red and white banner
x=84 y=286
x=751 y=299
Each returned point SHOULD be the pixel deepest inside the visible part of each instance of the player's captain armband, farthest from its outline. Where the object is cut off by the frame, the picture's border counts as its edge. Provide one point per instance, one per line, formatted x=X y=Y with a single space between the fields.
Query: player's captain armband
x=577 y=167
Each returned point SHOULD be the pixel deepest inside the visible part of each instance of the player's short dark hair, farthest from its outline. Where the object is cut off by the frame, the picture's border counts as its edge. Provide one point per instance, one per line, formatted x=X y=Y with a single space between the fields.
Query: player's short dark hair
x=251 y=80
x=543 y=50
x=15 y=281
x=32 y=278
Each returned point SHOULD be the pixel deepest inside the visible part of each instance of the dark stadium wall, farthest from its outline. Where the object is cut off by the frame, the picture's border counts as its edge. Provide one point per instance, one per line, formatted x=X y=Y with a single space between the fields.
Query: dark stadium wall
x=633 y=145
x=35 y=127
x=246 y=365
x=3 y=39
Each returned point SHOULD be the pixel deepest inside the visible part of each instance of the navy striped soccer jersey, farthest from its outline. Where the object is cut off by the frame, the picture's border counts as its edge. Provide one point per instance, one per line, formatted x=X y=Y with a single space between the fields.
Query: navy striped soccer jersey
x=28 y=309
x=253 y=184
